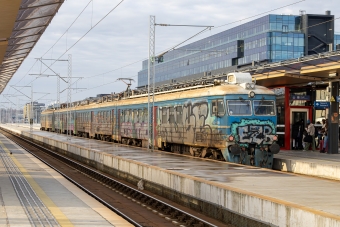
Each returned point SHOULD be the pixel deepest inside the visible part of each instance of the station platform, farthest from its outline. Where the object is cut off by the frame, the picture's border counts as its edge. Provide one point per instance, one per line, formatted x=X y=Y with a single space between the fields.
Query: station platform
x=311 y=163
x=32 y=194
x=270 y=197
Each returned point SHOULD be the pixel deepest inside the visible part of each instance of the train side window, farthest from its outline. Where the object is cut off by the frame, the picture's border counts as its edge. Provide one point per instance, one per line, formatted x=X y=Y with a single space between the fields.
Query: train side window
x=121 y=115
x=140 y=115
x=127 y=113
x=135 y=115
x=217 y=108
x=164 y=115
x=171 y=115
x=179 y=115
x=146 y=115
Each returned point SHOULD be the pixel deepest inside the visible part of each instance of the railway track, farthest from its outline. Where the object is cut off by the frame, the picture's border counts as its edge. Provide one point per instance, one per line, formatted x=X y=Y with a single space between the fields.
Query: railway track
x=137 y=207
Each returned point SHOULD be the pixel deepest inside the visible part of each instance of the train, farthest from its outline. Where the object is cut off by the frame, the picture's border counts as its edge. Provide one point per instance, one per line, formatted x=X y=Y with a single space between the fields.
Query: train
x=231 y=119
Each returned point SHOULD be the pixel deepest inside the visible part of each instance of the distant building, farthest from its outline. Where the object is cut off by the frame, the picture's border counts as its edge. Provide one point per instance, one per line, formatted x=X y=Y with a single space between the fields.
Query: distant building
x=36 y=113
x=270 y=38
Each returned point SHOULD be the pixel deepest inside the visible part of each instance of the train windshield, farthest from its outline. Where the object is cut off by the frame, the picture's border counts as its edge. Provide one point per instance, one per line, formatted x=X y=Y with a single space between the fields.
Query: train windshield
x=239 y=107
x=264 y=107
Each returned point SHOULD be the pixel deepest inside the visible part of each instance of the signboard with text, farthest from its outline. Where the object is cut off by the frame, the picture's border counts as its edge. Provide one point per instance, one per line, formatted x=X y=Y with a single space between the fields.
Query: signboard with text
x=321 y=105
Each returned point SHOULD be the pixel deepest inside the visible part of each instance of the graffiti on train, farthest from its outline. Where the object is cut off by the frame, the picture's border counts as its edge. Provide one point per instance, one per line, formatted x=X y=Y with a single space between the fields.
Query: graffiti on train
x=253 y=131
x=188 y=122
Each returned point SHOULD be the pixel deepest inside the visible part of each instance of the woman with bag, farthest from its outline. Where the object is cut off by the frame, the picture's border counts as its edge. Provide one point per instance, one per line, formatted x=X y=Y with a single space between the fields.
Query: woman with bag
x=310 y=137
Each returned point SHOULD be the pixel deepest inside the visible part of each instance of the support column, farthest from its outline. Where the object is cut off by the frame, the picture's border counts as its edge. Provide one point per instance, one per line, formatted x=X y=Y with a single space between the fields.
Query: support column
x=333 y=120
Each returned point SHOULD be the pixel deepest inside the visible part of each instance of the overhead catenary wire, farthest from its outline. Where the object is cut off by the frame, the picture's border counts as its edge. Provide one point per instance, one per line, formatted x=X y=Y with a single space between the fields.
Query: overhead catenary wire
x=214 y=28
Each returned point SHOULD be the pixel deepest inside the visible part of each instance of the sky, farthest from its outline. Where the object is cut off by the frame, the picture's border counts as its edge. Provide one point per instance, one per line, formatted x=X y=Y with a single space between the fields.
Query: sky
x=117 y=45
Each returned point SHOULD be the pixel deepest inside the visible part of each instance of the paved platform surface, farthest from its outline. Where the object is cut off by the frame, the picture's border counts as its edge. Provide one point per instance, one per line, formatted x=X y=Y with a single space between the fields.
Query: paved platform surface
x=309 y=163
x=35 y=187
x=283 y=199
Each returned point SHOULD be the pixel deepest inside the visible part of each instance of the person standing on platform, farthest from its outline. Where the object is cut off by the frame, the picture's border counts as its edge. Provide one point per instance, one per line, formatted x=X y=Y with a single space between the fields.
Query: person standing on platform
x=325 y=138
x=310 y=131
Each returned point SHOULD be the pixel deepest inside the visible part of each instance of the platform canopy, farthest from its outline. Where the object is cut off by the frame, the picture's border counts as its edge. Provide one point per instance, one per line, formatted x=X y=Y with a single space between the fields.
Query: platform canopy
x=22 y=22
x=318 y=68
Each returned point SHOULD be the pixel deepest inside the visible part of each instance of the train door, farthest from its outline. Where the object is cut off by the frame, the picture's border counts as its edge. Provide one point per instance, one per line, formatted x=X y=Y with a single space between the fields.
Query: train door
x=297 y=114
x=113 y=125
x=118 y=126
x=53 y=122
x=92 y=124
x=154 y=114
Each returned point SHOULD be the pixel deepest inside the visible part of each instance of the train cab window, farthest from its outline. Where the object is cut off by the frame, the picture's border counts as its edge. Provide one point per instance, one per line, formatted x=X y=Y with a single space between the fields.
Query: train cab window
x=179 y=115
x=239 y=107
x=264 y=107
x=164 y=115
x=171 y=115
x=217 y=108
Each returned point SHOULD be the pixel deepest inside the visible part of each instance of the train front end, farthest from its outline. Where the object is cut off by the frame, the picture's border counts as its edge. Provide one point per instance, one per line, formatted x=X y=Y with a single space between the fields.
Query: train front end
x=251 y=138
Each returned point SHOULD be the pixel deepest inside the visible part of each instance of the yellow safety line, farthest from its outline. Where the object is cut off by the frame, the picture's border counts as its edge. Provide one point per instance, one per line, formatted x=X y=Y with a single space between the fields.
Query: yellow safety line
x=54 y=209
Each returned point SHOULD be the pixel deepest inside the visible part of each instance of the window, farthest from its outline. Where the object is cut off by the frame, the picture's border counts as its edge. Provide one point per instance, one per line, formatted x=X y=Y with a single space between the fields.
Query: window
x=239 y=107
x=179 y=115
x=135 y=116
x=145 y=114
x=264 y=107
x=217 y=108
x=164 y=115
x=171 y=115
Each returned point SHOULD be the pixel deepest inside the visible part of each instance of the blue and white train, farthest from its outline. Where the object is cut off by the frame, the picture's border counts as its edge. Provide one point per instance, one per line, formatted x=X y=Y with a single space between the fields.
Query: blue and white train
x=231 y=119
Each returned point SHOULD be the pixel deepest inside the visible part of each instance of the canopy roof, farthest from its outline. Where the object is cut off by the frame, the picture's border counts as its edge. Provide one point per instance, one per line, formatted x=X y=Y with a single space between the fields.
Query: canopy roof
x=22 y=24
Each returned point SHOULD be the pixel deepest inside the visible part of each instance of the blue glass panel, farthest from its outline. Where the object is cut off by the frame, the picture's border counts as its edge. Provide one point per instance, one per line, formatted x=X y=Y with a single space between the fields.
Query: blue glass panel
x=272 y=18
x=276 y=47
x=278 y=40
x=279 y=26
x=301 y=42
x=272 y=26
x=290 y=54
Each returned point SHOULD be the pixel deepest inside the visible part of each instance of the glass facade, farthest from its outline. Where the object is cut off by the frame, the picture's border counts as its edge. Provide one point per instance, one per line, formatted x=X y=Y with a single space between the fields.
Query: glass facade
x=272 y=38
x=336 y=40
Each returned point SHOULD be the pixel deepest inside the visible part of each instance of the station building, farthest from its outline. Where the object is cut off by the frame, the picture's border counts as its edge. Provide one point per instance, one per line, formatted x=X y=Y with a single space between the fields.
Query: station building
x=271 y=38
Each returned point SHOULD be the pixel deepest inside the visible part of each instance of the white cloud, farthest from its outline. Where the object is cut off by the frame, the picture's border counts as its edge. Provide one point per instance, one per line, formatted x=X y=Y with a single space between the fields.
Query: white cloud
x=122 y=37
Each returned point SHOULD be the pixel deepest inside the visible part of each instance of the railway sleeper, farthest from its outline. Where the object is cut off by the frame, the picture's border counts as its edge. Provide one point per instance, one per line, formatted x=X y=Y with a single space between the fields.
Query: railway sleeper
x=182 y=218
x=167 y=210
x=174 y=214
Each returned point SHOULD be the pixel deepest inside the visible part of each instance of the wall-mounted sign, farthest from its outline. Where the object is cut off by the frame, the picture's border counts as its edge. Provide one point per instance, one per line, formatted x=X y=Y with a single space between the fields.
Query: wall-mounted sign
x=300 y=97
x=321 y=105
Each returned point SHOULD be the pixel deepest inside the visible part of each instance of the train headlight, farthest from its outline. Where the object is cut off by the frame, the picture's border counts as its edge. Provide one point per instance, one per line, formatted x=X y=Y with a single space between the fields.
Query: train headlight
x=231 y=138
x=275 y=138
x=252 y=86
x=247 y=86
x=251 y=94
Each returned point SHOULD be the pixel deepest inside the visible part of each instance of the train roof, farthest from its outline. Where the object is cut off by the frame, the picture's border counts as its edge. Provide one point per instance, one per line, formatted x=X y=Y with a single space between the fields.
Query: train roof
x=198 y=91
